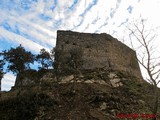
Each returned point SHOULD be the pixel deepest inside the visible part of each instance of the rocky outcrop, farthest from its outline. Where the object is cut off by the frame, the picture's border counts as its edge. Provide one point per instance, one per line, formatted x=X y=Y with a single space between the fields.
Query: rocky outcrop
x=32 y=77
x=113 y=80
x=91 y=96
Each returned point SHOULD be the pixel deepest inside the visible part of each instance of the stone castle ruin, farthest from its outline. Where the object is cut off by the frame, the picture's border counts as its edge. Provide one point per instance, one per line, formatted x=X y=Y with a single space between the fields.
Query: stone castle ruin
x=99 y=51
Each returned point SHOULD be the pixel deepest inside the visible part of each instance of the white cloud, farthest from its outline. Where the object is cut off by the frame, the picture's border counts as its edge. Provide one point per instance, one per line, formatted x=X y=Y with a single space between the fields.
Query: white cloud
x=40 y=33
x=8 y=81
x=12 y=37
x=39 y=23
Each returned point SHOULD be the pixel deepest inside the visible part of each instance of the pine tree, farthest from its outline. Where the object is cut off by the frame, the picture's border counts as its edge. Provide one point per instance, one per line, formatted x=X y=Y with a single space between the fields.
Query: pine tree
x=18 y=59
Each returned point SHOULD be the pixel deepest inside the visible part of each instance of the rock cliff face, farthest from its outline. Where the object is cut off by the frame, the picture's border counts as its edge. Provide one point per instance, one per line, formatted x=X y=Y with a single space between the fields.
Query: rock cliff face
x=99 y=51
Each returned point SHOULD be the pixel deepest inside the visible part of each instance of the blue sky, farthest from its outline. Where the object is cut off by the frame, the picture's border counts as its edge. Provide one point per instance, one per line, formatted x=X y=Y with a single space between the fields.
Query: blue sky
x=33 y=23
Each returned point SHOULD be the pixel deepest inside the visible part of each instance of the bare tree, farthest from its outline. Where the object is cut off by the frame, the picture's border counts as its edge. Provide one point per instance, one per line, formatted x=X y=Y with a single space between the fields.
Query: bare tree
x=143 y=41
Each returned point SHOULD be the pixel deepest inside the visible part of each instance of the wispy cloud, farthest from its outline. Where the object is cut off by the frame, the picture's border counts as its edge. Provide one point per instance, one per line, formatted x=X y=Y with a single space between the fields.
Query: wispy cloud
x=114 y=9
x=90 y=5
x=95 y=20
x=35 y=22
x=130 y=8
x=12 y=37
x=73 y=5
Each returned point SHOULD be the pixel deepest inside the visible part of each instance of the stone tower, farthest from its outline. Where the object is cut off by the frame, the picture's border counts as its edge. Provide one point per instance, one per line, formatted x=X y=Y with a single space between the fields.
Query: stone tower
x=99 y=51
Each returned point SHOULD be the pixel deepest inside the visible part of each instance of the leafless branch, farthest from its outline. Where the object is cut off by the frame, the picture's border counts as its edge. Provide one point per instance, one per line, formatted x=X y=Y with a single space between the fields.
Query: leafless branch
x=146 y=59
x=157 y=76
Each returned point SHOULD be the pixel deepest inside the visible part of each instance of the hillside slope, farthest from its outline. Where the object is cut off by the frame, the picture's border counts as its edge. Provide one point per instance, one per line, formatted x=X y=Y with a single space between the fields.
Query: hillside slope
x=95 y=95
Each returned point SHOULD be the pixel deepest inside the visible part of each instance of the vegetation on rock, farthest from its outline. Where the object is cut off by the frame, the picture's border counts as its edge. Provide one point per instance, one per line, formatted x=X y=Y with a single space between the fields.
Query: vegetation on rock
x=81 y=100
x=69 y=92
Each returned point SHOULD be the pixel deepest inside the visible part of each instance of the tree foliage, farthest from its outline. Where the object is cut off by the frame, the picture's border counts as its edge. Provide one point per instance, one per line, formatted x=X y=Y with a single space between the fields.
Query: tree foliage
x=18 y=58
x=52 y=53
x=1 y=69
x=44 y=58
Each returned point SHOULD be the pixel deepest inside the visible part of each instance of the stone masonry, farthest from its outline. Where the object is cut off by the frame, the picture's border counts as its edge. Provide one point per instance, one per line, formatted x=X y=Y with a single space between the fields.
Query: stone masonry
x=99 y=51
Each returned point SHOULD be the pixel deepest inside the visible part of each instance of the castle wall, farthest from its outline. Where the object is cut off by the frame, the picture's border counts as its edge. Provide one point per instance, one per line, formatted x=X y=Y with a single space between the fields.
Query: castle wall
x=99 y=51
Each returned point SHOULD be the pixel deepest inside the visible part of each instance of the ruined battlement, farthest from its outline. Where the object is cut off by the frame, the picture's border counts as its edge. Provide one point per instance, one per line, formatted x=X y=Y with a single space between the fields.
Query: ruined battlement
x=99 y=51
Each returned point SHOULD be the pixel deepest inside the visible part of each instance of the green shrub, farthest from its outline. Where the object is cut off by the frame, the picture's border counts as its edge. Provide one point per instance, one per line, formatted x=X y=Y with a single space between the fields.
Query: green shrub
x=24 y=107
